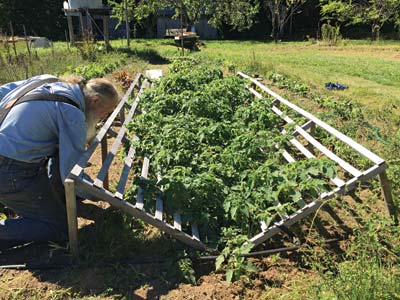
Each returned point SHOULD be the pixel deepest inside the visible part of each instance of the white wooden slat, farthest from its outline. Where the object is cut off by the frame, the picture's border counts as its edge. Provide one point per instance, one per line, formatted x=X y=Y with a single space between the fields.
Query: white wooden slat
x=177 y=221
x=345 y=165
x=263 y=226
x=288 y=157
x=337 y=181
x=306 y=126
x=307 y=153
x=159 y=204
x=195 y=232
x=313 y=206
x=78 y=168
x=120 y=190
x=255 y=93
x=132 y=210
x=159 y=208
x=117 y=142
x=353 y=144
x=143 y=176
x=114 y=134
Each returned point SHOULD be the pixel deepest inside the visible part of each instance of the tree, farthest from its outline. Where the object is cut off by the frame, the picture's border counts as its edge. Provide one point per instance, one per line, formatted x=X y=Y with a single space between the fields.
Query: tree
x=340 y=12
x=239 y=14
x=280 y=12
x=43 y=18
x=374 y=13
x=5 y=13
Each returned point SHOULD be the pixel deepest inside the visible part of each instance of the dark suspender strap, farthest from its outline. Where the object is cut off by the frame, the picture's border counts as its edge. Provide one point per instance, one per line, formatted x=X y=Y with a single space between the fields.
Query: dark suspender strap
x=36 y=97
x=46 y=97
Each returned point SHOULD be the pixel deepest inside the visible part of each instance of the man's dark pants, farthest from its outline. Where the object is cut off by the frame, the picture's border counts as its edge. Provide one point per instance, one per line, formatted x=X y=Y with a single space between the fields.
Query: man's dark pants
x=36 y=194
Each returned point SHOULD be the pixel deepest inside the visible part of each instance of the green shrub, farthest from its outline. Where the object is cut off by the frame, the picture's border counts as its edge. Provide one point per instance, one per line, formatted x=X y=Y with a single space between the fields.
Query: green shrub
x=330 y=34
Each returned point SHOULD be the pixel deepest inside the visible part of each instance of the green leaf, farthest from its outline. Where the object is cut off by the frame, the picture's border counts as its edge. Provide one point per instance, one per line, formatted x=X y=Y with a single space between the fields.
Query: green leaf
x=219 y=261
x=246 y=248
x=229 y=275
x=251 y=268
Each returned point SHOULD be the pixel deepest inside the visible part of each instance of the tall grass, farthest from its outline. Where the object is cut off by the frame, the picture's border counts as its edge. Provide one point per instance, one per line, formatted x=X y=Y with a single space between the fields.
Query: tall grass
x=370 y=269
x=53 y=60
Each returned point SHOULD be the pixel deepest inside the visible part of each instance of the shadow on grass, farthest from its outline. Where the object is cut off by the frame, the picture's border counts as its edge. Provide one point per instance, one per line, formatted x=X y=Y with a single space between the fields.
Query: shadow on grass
x=150 y=55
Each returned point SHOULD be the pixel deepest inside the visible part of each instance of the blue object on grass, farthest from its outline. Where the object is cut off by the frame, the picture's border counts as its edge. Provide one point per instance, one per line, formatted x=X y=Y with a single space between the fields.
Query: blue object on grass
x=335 y=86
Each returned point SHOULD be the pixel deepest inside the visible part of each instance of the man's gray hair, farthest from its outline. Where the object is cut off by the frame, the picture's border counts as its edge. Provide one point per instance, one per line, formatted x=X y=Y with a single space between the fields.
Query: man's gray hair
x=100 y=87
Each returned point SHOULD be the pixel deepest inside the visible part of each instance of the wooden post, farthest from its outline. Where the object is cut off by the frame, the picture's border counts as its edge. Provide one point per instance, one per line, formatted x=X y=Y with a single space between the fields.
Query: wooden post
x=387 y=195
x=82 y=26
x=52 y=49
x=127 y=22
x=7 y=47
x=13 y=41
x=26 y=69
x=70 y=30
x=104 y=150
x=66 y=40
x=72 y=217
x=89 y=28
x=27 y=43
x=106 y=32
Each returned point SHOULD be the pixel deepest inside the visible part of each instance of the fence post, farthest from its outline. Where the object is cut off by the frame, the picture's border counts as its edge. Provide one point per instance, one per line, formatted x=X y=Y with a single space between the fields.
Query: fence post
x=72 y=216
x=13 y=40
x=27 y=43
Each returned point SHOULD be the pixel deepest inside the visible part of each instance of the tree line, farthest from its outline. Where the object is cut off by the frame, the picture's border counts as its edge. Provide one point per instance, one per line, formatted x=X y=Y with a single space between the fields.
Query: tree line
x=259 y=19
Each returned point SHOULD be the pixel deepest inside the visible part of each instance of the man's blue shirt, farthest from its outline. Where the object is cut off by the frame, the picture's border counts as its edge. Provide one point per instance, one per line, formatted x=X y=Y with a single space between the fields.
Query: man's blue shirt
x=39 y=129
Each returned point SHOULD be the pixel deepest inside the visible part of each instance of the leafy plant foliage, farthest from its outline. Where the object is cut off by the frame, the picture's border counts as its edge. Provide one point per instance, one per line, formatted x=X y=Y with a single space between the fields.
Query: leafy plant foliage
x=218 y=153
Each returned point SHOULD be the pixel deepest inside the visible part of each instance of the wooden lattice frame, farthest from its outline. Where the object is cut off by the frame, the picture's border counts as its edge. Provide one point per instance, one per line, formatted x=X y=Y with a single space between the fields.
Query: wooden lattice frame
x=99 y=187
x=306 y=132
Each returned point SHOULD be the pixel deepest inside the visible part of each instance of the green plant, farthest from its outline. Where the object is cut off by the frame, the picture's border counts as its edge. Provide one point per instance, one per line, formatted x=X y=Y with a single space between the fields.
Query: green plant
x=330 y=34
x=88 y=50
x=216 y=151
x=232 y=255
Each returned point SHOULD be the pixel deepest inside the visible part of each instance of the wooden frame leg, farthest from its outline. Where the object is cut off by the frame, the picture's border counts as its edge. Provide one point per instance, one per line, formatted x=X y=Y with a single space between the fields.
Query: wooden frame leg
x=72 y=216
x=387 y=195
x=104 y=151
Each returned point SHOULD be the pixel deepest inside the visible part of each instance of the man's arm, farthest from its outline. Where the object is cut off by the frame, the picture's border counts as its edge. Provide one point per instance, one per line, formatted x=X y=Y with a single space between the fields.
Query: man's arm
x=72 y=137
x=72 y=145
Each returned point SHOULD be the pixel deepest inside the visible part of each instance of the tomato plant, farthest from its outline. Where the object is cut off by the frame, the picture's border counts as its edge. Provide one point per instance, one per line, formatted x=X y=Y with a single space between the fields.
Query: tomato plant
x=219 y=154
